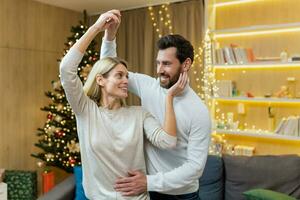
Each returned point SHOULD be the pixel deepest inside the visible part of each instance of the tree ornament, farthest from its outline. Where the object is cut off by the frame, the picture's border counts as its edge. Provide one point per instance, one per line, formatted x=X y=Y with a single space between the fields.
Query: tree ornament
x=58 y=118
x=40 y=164
x=59 y=134
x=49 y=116
x=56 y=85
x=73 y=147
x=59 y=107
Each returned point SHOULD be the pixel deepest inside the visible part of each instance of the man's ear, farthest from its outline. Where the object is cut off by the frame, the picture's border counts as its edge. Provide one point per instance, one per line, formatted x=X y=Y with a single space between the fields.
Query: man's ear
x=187 y=64
x=100 y=79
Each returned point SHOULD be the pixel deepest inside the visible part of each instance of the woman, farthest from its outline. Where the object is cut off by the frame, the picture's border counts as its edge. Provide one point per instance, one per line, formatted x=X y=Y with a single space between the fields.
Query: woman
x=110 y=133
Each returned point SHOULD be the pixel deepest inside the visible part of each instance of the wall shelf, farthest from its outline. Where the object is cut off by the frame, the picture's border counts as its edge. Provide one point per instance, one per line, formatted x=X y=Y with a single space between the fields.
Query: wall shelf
x=257 y=100
x=259 y=65
x=257 y=30
x=262 y=134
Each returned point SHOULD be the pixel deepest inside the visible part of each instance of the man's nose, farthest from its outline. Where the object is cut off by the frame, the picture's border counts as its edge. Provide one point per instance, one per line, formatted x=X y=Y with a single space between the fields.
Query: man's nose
x=159 y=68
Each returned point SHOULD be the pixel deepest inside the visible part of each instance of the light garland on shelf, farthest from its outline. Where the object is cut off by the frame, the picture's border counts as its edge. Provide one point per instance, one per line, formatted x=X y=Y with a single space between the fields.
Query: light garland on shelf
x=209 y=81
x=198 y=57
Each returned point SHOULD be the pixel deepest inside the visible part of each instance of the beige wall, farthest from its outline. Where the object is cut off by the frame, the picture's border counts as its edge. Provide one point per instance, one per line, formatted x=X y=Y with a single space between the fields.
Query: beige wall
x=32 y=37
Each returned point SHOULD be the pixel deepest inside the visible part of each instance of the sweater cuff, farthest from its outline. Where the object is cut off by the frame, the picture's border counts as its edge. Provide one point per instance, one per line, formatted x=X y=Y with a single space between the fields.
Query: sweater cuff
x=108 y=48
x=154 y=183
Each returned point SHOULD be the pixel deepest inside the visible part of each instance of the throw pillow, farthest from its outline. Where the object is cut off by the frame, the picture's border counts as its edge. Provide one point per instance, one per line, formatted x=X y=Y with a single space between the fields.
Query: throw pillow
x=79 y=192
x=263 y=194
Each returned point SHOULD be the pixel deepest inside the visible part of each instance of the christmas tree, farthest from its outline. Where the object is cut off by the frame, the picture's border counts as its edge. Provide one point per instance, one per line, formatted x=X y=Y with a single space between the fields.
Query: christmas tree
x=58 y=138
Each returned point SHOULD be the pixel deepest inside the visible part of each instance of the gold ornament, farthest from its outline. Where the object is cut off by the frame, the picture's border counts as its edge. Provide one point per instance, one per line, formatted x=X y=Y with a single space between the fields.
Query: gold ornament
x=56 y=85
x=73 y=147
x=40 y=164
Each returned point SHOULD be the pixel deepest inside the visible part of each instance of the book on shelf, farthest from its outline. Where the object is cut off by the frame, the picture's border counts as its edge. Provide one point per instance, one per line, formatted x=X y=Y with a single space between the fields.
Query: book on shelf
x=220 y=56
x=233 y=54
x=224 y=88
x=250 y=55
x=289 y=126
x=229 y=55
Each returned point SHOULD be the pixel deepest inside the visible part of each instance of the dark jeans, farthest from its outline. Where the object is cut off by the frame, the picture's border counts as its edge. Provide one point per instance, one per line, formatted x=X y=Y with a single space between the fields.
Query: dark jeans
x=159 y=196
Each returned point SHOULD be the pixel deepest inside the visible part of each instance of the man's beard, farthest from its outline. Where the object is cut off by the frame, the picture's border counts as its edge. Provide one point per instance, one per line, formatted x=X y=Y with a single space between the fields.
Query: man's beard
x=171 y=81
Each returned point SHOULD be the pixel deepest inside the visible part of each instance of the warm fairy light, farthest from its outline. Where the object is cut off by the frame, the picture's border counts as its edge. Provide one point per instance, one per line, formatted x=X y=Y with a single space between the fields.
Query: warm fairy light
x=233 y=3
x=208 y=76
x=163 y=19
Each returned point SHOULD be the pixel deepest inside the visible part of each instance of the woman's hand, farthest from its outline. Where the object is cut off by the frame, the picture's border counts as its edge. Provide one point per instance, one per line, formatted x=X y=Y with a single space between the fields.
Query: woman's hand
x=179 y=86
x=108 y=20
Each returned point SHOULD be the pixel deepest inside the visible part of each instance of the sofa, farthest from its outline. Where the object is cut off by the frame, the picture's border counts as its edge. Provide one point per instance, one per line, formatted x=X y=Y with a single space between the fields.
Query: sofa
x=230 y=177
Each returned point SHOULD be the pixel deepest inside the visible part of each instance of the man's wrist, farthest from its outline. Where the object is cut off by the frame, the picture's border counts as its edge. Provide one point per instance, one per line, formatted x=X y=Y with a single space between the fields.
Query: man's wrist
x=109 y=36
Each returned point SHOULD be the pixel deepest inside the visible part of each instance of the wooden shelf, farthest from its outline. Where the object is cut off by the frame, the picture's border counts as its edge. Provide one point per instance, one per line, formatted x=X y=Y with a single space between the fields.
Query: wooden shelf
x=257 y=30
x=258 y=100
x=260 y=65
x=262 y=134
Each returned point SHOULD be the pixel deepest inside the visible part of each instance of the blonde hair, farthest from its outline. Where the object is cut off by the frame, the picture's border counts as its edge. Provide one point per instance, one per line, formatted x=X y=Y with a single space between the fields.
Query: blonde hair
x=102 y=67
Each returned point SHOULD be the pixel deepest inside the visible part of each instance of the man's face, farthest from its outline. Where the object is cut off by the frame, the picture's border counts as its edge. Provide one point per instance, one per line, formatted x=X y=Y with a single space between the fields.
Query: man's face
x=168 y=67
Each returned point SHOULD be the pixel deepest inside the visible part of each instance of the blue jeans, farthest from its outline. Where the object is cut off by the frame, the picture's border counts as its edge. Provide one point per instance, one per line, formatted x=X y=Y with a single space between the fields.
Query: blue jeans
x=159 y=196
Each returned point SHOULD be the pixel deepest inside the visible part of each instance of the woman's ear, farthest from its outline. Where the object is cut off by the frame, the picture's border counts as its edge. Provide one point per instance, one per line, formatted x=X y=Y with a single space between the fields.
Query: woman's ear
x=187 y=64
x=100 y=79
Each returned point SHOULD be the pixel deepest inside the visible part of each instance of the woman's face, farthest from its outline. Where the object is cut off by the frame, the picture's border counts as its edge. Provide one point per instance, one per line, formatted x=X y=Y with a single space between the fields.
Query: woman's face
x=116 y=83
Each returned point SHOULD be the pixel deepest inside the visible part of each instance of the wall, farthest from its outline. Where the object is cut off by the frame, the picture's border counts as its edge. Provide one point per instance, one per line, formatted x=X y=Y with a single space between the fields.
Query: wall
x=32 y=39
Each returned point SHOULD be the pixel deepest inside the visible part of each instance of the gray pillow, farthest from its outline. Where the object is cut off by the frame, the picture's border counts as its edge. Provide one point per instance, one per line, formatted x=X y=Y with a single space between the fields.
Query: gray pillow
x=277 y=173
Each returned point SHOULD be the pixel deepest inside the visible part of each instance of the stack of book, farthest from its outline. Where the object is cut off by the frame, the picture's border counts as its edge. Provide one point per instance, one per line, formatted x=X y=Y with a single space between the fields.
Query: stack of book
x=234 y=55
x=242 y=150
x=289 y=126
x=224 y=88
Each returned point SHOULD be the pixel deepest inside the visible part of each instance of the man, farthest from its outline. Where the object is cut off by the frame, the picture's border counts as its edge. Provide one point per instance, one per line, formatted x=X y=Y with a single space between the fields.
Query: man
x=173 y=174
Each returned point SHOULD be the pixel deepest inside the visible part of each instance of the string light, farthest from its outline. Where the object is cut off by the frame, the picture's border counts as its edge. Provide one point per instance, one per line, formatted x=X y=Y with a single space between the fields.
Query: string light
x=161 y=24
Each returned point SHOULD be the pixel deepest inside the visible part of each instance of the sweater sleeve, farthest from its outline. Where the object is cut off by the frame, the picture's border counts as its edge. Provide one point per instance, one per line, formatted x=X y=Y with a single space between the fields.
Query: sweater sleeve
x=155 y=134
x=108 y=48
x=192 y=169
x=71 y=82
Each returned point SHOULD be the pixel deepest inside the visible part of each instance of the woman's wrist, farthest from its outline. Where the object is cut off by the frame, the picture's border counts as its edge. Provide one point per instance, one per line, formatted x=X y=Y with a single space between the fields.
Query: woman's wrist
x=95 y=29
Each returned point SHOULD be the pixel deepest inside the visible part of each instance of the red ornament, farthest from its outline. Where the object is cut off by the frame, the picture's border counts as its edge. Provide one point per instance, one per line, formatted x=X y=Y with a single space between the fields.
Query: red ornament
x=59 y=133
x=72 y=161
x=49 y=116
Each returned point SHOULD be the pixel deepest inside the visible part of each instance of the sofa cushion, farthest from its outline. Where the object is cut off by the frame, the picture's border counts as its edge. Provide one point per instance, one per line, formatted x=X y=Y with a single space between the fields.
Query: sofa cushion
x=262 y=194
x=211 y=183
x=79 y=192
x=277 y=173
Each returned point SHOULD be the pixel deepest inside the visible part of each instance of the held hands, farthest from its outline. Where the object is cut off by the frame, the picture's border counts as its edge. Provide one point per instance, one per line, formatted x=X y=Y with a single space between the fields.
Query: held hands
x=133 y=185
x=179 y=86
x=109 y=20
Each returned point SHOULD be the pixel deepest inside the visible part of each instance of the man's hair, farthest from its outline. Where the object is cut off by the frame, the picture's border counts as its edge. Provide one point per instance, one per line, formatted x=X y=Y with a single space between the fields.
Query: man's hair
x=184 y=48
